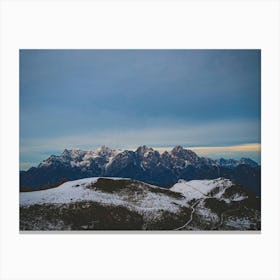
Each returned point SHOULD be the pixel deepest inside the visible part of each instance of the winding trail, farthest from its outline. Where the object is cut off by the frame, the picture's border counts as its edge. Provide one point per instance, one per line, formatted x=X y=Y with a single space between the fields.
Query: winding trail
x=193 y=207
x=192 y=187
x=190 y=219
x=202 y=199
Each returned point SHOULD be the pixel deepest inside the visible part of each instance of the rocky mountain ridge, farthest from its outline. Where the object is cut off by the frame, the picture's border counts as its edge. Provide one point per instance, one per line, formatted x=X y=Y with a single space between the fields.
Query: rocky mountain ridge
x=145 y=164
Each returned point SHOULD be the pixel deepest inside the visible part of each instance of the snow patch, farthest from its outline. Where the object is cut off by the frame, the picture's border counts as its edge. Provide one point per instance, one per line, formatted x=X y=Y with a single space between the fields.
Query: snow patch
x=197 y=189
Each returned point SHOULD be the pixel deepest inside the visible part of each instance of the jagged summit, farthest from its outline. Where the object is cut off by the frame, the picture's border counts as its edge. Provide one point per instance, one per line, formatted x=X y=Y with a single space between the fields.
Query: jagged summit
x=248 y=161
x=185 y=154
x=144 y=151
x=177 y=149
x=72 y=152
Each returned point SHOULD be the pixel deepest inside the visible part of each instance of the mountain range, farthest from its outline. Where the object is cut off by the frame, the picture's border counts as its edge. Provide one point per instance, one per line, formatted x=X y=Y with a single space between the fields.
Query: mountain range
x=143 y=164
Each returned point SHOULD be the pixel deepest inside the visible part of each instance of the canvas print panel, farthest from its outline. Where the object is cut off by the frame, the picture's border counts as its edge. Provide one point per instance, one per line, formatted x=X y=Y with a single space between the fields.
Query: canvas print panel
x=140 y=140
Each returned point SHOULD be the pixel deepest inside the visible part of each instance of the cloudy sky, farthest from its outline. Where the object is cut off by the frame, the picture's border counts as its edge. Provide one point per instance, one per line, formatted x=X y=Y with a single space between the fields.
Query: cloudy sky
x=126 y=98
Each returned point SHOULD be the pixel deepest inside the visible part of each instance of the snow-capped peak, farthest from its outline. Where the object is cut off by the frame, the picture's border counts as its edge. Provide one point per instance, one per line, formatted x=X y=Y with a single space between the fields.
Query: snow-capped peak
x=144 y=150
x=104 y=151
x=80 y=158
x=177 y=149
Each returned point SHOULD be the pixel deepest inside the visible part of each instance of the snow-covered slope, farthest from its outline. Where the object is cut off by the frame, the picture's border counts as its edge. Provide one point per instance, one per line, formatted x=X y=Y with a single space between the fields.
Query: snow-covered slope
x=78 y=190
x=122 y=203
x=216 y=188
x=68 y=192
x=83 y=190
x=196 y=189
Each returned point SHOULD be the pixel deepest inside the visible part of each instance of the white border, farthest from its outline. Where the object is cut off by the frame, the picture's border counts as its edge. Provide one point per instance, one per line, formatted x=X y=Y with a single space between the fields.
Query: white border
x=155 y=24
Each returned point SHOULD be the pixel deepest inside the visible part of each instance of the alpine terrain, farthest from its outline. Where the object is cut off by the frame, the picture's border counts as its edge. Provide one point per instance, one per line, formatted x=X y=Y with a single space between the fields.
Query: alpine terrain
x=144 y=164
x=127 y=204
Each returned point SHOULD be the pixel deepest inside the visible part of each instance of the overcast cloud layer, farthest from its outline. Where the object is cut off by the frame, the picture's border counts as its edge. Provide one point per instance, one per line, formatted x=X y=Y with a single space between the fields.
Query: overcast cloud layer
x=127 y=98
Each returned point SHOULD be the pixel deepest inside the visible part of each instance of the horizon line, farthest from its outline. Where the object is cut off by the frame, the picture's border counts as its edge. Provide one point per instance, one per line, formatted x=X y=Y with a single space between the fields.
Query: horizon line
x=244 y=146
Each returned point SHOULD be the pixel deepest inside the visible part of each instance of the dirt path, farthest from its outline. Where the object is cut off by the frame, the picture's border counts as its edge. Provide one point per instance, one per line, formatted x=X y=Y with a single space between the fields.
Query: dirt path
x=206 y=196
x=190 y=219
